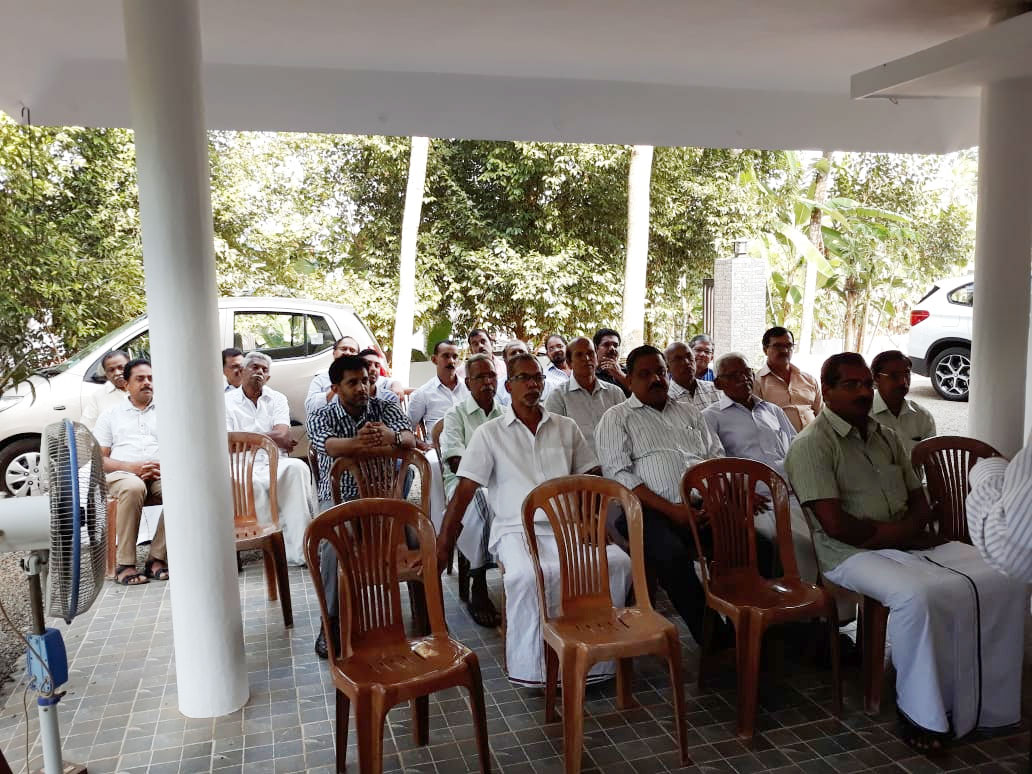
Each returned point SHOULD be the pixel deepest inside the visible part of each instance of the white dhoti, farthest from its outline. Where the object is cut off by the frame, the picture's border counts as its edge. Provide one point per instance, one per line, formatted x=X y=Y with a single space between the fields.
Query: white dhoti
x=801 y=541
x=524 y=646
x=436 y=485
x=296 y=499
x=956 y=628
x=476 y=529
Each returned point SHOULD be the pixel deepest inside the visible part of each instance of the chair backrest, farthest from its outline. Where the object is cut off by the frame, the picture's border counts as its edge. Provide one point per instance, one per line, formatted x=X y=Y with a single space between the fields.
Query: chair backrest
x=244 y=450
x=435 y=439
x=383 y=475
x=313 y=462
x=576 y=507
x=947 y=460
x=730 y=488
x=364 y=535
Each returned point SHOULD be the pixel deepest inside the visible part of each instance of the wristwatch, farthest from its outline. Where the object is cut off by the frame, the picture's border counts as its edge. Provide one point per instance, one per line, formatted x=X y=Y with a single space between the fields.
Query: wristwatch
x=397 y=438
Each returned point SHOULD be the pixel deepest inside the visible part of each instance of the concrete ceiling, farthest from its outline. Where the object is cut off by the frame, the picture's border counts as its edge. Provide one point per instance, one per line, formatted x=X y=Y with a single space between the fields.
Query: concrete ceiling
x=733 y=73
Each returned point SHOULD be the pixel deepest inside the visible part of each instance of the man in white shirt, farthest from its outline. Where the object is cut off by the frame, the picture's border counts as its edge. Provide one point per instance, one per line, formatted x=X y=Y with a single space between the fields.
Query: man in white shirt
x=255 y=408
x=460 y=423
x=891 y=407
x=754 y=429
x=558 y=371
x=128 y=438
x=112 y=393
x=428 y=405
x=684 y=385
x=584 y=397
x=999 y=512
x=320 y=391
x=510 y=455
x=647 y=443
x=232 y=367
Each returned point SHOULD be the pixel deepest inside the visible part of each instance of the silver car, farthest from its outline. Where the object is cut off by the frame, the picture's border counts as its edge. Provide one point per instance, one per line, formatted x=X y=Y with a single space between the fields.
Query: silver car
x=297 y=334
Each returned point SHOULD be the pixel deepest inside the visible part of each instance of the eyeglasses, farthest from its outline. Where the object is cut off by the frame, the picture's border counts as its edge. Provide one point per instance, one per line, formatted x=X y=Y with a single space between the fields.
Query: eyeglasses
x=897 y=376
x=536 y=378
x=852 y=385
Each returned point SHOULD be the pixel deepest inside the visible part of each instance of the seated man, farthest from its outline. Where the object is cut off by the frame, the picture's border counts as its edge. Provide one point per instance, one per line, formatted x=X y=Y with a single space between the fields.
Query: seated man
x=113 y=392
x=256 y=408
x=320 y=391
x=892 y=408
x=128 y=438
x=955 y=624
x=607 y=351
x=754 y=429
x=702 y=349
x=510 y=455
x=480 y=342
x=232 y=367
x=459 y=424
x=428 y=405
x=382 y=387
x=583 y=397
x=558 y=371
x=647 y=443
x=783 y=384
x=354 y=425
x=684 y=384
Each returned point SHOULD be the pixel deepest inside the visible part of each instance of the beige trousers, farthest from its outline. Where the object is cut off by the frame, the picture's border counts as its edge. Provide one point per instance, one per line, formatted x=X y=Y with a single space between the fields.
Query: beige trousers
x=132 y=493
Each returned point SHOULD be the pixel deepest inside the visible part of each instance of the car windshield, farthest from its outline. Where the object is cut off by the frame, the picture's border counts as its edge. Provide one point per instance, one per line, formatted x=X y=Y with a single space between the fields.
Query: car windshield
x=100 y=345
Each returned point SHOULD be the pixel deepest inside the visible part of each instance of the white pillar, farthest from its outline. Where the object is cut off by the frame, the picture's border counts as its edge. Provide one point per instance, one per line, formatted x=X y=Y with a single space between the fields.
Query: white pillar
x=164 y=65
x=1003 y=240
x=402 y=350
x=639 y=182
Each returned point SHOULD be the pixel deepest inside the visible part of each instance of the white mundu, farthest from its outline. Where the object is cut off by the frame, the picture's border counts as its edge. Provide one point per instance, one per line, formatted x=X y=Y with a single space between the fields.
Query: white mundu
x=510 y=461
x=295 y=490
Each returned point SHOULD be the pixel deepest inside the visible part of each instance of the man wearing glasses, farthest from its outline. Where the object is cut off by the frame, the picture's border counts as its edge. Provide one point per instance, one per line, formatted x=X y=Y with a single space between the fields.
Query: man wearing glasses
x=783 y=384
x=910 y=421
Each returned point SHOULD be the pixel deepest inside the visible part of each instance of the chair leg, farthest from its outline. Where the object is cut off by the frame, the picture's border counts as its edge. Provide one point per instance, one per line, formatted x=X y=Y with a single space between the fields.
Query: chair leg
x=624 y=676
x=369 y=717
x=748 y=647
x=421 y=720
x=551 y=682
x=463 y=577
x=343 y=711
x=269 y=559
x=574 y=675
x=875 y=623
x=283 y=580
x=677 y=688
x=708 y=622
x=479 y=712
x=836 y=664
x=451 y=561
x=417 y=605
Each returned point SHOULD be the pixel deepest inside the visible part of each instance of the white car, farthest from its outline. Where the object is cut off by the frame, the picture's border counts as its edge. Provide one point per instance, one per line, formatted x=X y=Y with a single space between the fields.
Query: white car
x=297 y=334
x=940 y=336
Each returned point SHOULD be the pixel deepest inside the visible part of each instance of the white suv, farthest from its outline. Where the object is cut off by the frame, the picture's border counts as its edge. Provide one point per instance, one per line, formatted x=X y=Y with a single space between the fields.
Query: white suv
x=296 y=333
x=940 y=336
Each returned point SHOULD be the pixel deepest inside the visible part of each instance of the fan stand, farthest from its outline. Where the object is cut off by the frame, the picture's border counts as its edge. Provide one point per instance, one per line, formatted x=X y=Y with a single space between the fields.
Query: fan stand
x=49 y=730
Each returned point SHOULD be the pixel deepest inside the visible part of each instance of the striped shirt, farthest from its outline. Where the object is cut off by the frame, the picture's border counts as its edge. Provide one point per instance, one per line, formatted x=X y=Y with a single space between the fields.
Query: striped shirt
x=999 y=512
x=332 y=421
x=639 y=445
x=706 y=394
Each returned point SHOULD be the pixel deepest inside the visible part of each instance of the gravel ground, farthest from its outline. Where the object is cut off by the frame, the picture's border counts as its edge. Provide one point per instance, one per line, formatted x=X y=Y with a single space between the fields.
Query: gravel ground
x=950 y=419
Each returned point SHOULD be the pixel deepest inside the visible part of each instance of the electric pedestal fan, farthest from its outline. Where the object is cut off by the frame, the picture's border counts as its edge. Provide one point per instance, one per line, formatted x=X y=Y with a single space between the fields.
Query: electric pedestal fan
x=65 y=532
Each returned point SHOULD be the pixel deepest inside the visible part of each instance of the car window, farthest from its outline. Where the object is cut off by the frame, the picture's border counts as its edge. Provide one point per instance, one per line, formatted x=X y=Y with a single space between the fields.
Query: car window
x=318 y=334
x=964 y=295
x=137 y=346
x=278 y=334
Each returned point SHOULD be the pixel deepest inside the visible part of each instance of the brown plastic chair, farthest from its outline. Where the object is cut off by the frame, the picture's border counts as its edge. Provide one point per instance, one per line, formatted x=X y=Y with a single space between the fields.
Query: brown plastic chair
x=244 y=449
x=731 y=578
x=872 y=623
x=384 y=476
x=111 y=550
x=313 y=462
x=377 y=666
x=947 y=461
x=435 y=441
x=587 y=628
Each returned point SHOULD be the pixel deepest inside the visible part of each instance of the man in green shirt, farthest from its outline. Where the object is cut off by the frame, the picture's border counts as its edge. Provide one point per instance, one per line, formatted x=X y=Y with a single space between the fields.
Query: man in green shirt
x=892 y=408
x=955 y=624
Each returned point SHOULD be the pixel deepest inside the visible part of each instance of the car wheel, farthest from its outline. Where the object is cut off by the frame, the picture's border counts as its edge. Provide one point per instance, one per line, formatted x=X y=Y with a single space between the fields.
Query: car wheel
x=951 y=373
x=20 y=468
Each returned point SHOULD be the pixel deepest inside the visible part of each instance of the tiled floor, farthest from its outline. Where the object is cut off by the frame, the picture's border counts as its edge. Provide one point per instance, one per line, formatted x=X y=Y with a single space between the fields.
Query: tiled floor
x=120 y=712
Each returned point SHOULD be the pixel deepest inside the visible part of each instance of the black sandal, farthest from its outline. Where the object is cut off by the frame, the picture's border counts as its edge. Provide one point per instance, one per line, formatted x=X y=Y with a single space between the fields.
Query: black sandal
x=922 y=740
x=489 y=619
x=160 y=574
x=134 y=578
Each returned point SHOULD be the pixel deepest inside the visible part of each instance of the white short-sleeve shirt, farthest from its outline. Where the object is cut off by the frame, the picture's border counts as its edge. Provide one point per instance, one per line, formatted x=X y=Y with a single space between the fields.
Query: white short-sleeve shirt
x=246 y=417
x=130 y=433
x=504 y=456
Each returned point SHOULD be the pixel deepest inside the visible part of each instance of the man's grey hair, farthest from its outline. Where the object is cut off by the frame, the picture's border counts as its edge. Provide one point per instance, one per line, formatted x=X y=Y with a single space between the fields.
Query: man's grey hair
x=260 y=357
x=480 y=357
x=718 y=365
